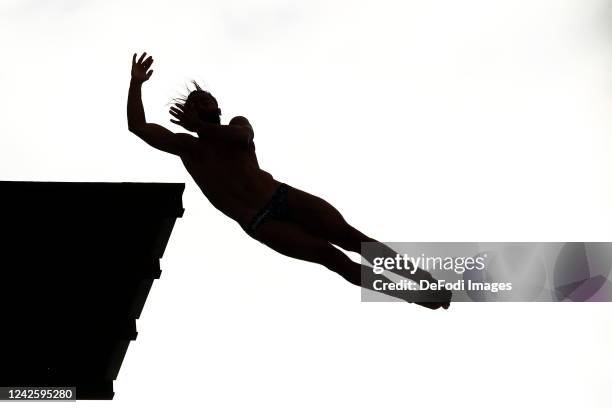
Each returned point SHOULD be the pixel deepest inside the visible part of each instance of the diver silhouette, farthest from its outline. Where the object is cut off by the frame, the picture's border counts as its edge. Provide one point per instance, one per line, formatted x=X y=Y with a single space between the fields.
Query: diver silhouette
x=223 y=163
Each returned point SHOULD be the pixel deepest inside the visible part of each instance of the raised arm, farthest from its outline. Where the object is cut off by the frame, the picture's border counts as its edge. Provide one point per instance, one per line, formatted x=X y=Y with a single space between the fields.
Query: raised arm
x=153 y=134
x=237 y=133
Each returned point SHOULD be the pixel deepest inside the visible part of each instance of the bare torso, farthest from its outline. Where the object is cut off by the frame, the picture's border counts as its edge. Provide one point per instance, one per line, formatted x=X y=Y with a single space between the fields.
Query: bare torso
x=230 y=178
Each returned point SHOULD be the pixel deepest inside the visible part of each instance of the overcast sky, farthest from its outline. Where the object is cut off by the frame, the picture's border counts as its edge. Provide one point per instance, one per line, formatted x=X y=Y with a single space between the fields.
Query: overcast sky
x=444 y=120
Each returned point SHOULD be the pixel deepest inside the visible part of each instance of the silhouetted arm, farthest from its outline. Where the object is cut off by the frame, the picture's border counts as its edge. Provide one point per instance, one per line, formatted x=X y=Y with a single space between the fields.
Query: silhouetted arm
x=153 y=134
x=238 y=132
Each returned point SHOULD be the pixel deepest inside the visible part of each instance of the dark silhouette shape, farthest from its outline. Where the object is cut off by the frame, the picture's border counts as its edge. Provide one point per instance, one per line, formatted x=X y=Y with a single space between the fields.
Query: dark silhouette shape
x=78 y=262
x=223 y=163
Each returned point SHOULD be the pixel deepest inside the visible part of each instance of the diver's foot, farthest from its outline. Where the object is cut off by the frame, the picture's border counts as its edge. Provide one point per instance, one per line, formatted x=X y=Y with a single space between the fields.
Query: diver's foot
x=435 y=299
x=434 y=305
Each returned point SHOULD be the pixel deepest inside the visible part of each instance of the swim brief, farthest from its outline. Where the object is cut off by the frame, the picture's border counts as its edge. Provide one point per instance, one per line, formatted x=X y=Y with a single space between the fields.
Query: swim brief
x=276 y=208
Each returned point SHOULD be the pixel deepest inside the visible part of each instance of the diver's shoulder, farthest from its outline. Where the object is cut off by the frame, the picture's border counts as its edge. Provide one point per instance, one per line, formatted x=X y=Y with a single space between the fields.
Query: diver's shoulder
x=240 y=121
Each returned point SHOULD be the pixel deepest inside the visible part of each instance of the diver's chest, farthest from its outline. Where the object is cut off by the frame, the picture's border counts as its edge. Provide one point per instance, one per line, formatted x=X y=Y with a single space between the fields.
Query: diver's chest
x=214 y=161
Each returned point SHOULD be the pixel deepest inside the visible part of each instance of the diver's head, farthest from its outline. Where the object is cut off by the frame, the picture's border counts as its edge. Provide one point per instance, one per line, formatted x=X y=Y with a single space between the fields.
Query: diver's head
x=204 y=104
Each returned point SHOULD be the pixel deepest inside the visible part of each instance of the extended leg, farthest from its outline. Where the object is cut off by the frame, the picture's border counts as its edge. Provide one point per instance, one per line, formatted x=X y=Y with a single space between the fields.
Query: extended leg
x=323 y=220
x=291 y=240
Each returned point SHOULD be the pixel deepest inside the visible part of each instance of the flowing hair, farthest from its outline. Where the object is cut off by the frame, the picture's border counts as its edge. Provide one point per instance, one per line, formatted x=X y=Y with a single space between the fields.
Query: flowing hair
x=185 y=99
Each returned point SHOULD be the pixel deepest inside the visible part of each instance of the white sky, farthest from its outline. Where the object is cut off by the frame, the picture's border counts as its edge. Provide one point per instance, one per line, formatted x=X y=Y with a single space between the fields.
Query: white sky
x=420 y=120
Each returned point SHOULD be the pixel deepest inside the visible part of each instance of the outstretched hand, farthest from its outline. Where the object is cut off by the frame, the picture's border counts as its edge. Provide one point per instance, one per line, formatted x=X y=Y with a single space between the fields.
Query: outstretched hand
x=140 y=68
x=186 y=118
